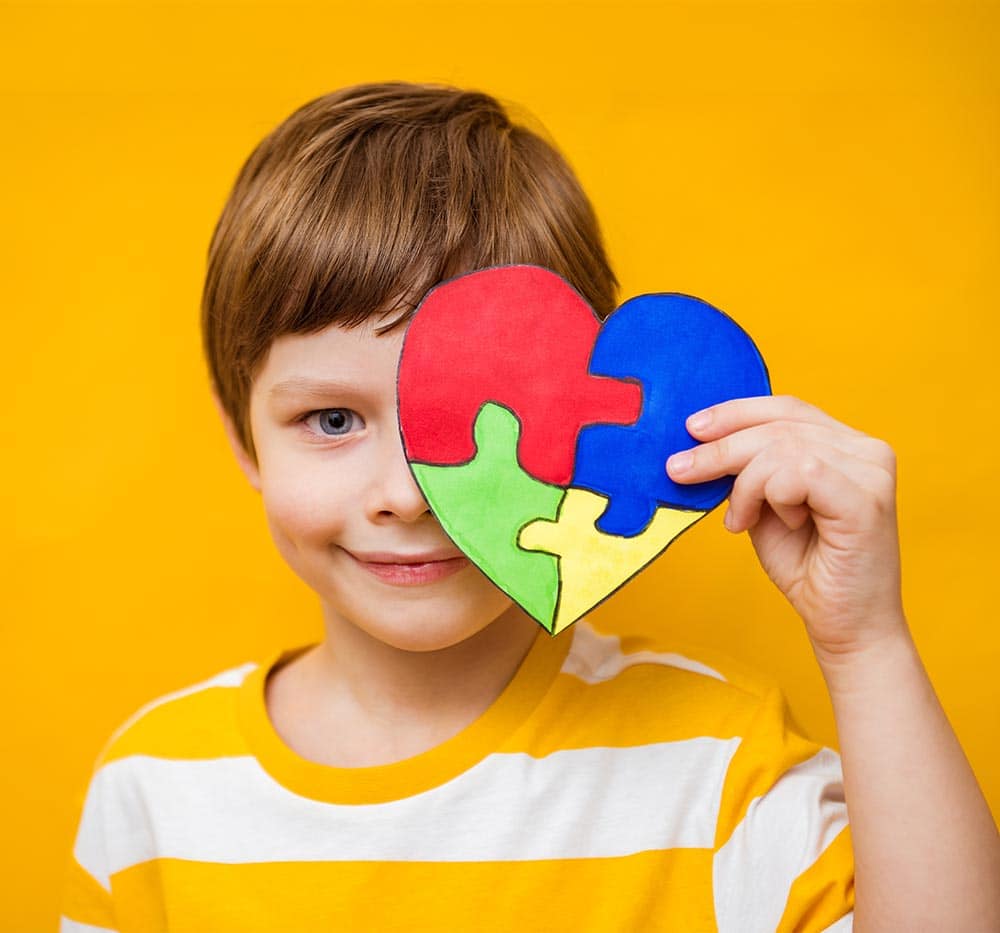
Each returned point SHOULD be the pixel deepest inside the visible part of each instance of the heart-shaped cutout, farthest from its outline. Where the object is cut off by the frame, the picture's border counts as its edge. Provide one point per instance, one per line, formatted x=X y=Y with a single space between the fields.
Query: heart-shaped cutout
x=539 y=437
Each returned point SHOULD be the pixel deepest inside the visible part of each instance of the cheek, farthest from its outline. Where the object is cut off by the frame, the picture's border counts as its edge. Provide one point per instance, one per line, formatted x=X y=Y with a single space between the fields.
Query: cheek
x=307 y=505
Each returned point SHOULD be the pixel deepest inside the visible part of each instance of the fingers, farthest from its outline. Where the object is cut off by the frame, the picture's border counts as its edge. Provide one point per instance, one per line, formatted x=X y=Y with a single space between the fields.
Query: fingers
x=726 y=417
x=730 y=454
x=822 y=483
x=791 y=455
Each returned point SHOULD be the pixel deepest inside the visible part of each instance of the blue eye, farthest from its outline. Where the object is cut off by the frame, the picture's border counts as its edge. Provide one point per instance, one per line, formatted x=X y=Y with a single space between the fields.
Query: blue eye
x=334 y=422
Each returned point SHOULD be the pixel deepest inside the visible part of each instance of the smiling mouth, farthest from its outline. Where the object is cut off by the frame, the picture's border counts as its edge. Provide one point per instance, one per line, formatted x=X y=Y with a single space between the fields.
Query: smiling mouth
x=414 y=571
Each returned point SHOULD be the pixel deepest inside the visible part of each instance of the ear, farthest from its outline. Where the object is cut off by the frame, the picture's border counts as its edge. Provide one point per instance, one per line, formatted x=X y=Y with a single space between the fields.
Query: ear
x=247 y=465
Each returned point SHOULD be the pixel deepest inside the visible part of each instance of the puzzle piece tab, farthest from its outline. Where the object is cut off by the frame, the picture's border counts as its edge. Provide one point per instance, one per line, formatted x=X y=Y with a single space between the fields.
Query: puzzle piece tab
x=444 y=377
x=488 y=500
x=687 y=355
x=593 y=565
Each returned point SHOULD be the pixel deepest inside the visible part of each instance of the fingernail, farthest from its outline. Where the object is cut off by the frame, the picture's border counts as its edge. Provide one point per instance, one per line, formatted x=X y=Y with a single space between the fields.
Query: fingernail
x=728 y=519
x=678 y=463
x=700 y=419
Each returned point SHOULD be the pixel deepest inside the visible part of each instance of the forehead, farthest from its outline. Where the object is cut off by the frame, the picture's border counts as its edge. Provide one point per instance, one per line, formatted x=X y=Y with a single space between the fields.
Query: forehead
x=299 y=365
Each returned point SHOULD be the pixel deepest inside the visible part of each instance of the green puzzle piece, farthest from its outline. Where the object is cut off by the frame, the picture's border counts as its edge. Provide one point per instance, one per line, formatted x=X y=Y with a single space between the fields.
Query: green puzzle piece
x=483 y=505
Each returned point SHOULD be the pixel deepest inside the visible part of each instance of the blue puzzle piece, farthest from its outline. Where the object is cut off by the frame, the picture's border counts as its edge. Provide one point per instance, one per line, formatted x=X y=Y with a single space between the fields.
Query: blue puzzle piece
x=687 y=355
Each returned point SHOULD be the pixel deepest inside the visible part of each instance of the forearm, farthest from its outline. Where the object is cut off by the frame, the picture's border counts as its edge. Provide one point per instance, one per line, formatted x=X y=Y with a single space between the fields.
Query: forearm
x=926 y=849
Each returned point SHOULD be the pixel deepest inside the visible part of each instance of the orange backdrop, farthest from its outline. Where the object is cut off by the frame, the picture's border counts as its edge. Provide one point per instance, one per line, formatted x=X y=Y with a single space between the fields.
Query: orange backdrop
x=826 y=173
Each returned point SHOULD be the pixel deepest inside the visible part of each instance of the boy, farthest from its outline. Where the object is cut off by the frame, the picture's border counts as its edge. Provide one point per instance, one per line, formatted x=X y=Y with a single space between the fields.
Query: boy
x=438 y=762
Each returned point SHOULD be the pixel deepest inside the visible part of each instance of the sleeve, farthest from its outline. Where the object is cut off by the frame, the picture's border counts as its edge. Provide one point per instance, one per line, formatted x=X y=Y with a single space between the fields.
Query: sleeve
x=87 y=905
x=782 y=859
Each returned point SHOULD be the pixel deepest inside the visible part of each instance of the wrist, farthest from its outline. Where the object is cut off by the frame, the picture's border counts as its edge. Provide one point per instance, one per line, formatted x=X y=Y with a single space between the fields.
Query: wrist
x=872 y=667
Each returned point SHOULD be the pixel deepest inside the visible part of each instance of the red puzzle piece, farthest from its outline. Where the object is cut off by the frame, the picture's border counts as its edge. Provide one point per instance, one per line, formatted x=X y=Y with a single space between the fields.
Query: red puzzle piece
x=444 y=378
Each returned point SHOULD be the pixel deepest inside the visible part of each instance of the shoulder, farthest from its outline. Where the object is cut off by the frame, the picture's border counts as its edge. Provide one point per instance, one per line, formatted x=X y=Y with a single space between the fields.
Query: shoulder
x=660 y=704
x=685 y=690
x=154 y=757
x=197 y=716
x=728 y=719
x=773 y=800
x=694 y=680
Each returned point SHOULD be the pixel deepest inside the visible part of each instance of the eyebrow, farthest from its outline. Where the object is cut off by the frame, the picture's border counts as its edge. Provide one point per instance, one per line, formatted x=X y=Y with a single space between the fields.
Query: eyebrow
x=299 y=385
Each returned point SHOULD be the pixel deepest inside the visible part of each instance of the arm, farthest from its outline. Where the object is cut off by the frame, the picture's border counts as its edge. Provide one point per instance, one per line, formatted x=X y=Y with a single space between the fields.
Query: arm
x=926 y=851
x=818 y=499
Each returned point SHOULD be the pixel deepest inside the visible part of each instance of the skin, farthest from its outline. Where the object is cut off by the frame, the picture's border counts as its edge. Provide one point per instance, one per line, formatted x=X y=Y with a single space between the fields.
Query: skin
x=818 y=499
x=415 y=665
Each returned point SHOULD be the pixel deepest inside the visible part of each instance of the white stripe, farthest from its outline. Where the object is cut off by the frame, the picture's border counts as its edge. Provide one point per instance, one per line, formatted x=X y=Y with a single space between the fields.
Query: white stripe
x=74 y=926
x=89 y=848
x=594 y=657
x=782 y=834
x=575 y=803
x=844 y=925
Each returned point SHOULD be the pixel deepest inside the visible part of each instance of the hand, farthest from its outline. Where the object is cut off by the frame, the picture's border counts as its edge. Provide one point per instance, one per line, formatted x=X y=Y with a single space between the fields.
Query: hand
x=819 y=501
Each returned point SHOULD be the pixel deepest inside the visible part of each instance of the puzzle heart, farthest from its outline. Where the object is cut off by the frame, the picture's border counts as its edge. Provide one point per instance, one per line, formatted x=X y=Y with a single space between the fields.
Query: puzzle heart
x=539 y=438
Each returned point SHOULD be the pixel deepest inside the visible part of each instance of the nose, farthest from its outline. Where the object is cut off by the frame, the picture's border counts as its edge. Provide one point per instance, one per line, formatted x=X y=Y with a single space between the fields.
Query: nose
x=393 y=492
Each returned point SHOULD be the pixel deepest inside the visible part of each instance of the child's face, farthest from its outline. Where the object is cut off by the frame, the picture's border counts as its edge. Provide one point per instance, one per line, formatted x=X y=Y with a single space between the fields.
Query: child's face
x=337 y=489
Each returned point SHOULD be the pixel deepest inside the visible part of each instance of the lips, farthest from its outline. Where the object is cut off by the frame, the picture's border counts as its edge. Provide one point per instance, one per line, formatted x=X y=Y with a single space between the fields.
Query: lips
x=410 y=569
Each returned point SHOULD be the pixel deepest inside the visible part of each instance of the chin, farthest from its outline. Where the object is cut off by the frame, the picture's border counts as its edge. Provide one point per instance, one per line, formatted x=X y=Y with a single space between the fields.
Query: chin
x=421 y=642
x=435 y=624
x=435 y=634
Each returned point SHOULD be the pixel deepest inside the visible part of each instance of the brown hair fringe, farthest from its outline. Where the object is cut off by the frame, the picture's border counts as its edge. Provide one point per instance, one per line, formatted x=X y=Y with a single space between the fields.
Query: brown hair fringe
x=365 y=198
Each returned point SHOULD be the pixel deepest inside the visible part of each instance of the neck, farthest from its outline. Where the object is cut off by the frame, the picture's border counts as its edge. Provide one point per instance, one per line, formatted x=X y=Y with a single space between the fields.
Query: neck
x=446 y=686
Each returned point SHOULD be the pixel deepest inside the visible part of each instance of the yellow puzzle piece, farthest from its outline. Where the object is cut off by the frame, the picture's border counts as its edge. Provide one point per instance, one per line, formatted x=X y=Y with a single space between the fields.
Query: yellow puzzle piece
x=592 y=565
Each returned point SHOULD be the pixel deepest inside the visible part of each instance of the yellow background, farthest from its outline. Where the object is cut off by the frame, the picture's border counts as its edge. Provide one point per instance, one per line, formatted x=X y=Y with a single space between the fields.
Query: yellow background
x=825 y=173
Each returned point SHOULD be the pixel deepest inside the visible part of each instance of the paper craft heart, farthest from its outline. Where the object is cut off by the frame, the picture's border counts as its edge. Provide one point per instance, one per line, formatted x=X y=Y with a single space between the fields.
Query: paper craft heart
x=539 y=438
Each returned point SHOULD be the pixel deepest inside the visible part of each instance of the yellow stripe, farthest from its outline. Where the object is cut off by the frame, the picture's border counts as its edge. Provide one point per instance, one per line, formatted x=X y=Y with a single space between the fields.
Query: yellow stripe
x=644 y=704
x=576 y=895
x=202 y=725
x=824 y=892
x=739 y=674
x=197 y=725
x=84 y=900
x=768 y=750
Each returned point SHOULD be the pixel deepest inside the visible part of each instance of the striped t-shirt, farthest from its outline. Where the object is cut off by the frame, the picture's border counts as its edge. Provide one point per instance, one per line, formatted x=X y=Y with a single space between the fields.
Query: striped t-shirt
x=612 y=786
